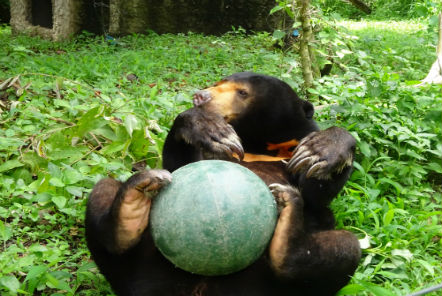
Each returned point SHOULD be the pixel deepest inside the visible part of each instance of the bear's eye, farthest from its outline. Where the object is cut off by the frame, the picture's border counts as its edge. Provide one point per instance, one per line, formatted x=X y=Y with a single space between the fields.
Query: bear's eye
x=242 y=93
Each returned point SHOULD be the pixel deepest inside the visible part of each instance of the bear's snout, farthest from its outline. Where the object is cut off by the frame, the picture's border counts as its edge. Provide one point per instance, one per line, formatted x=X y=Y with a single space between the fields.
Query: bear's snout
x=201 y=97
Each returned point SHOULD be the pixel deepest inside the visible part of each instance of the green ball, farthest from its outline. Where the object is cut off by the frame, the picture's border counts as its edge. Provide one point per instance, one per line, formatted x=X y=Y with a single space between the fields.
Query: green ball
x=214 y=218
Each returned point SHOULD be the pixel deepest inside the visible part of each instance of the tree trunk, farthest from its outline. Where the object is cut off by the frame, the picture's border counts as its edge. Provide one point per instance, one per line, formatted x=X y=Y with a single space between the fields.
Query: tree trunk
x=435 y=74
x=360 y=5
x=306 y=36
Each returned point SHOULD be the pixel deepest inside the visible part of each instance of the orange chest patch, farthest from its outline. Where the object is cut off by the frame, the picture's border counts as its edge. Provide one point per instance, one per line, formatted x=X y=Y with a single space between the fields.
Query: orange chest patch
x=284 y=151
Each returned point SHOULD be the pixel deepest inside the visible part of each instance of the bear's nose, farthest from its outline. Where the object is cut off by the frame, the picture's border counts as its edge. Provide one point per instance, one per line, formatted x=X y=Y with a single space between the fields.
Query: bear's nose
x=201 y=97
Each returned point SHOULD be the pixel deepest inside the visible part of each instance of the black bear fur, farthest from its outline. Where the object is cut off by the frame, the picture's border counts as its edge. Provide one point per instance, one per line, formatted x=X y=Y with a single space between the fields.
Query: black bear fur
x=239 y=115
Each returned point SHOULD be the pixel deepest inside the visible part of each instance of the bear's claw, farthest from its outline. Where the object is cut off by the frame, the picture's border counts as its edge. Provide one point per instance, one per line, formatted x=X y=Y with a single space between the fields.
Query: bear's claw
x=151 y=180
x=322 y=153
x=284 y=194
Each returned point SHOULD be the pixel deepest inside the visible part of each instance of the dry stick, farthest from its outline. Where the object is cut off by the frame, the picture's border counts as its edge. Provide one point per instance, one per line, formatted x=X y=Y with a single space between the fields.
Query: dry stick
x=84 y=155
x=67 y=79
x=62 y=121
x=96 y=140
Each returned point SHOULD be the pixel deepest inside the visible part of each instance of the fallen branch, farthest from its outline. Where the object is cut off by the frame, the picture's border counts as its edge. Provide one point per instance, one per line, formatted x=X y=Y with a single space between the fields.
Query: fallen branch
x=62 y=121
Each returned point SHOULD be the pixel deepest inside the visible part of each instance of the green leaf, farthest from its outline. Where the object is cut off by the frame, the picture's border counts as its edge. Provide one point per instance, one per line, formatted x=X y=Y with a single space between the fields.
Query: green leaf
x=388 y=217
x=87 y=266
x=74 y=190
x=395 y=184
x=2 y=230
x=112 y=148
x=54 y=170
x=427 y=266
x=59 y=201
x=62 y=276
x=275 y=9
x=394 y=275
x=341 y=53
x=358 y=167
x=71 y=176
x=296 y=24
x=375 y=289
x=130 y=122
x=414 y=155
x=5 y=231
x=54 y=181
x=433 y=21
x=51 y=281
x=63 y=285
x=278 y=34
x=154 y=92
x=34 y=161
x=91 y=120
x=139 y=144
x=412 y=82
x=23 y=174
x=10 y=164
x=404 y=253
x=34 y=276
x=351 y=289
x=436 y=167
x=365 y=148
x=107 y=132
x=121 y=134
x=65 y=152
x=10 y=282
x=36 y=272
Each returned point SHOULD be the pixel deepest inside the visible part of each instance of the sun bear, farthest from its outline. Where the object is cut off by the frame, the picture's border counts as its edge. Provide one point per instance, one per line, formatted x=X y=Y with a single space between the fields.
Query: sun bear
x=259 y=122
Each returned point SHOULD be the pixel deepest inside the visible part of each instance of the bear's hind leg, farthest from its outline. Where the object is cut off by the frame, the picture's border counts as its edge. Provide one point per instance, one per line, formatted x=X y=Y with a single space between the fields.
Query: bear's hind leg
x=117 y=213
x=97 y=225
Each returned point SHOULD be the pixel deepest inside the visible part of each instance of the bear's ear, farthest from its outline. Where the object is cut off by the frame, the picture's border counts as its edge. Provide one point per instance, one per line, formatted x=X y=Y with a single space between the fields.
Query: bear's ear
x=308 y=109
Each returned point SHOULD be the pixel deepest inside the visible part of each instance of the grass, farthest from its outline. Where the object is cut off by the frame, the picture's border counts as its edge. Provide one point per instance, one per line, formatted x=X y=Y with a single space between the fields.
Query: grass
x=81 y=119
x=407 y=47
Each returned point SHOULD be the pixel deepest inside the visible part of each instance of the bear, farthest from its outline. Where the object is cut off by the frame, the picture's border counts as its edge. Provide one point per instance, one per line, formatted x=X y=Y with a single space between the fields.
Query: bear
x=259 y=122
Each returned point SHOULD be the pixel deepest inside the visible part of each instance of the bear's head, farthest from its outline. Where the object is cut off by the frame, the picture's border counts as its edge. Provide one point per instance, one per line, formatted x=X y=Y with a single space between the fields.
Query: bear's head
x=262 y=109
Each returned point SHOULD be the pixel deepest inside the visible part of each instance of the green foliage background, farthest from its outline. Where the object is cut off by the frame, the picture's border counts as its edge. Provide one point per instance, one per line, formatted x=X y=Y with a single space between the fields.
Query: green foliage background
x=383 y=9
x=70 y=116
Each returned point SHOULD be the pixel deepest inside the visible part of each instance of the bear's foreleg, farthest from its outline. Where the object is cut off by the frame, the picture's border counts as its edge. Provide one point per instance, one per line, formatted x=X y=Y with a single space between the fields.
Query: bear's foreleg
x=196 y=135
x=321 y=262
